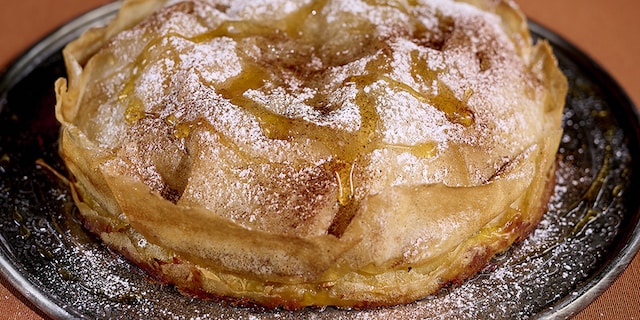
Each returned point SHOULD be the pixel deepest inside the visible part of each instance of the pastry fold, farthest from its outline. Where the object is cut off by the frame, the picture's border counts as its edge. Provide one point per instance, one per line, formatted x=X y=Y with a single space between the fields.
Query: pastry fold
x=311 y=153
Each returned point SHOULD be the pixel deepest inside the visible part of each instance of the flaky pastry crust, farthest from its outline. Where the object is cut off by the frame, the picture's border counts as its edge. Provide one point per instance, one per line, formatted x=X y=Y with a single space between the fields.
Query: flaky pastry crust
x=311 y=153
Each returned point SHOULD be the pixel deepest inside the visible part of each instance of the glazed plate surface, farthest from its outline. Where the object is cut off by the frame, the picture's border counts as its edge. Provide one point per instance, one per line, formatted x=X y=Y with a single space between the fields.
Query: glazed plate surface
x=587 y=238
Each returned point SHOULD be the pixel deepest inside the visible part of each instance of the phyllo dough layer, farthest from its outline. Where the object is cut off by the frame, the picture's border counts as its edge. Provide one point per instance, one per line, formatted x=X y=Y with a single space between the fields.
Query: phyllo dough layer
x=311 y=153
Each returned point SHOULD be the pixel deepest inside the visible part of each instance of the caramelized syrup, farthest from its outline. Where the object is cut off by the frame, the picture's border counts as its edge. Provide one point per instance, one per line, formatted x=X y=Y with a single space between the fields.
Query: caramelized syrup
x=349 y=149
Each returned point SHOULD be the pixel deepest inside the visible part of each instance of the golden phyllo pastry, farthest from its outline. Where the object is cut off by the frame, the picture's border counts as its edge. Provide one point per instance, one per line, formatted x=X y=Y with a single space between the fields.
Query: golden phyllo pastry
x=348 y=153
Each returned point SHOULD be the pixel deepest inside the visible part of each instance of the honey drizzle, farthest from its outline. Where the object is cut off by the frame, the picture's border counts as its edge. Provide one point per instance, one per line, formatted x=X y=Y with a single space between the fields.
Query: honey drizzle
x=135 y=109
x=454 y=109
x=290 y=26
x=348 y=149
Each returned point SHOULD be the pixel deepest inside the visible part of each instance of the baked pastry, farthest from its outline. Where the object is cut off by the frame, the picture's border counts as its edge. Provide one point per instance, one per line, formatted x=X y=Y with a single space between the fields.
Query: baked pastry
x=311 y=153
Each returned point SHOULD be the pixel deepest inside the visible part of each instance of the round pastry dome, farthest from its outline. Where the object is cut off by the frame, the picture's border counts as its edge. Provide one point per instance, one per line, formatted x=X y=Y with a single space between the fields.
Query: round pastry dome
x=311 y=153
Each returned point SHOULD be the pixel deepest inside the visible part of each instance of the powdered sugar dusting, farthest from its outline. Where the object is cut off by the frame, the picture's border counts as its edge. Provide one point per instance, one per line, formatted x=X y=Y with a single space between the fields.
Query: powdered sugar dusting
x=382 y=89
x=575 y=239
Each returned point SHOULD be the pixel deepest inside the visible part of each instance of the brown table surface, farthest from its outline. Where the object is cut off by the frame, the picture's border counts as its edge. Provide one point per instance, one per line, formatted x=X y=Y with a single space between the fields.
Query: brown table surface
x=608 y=31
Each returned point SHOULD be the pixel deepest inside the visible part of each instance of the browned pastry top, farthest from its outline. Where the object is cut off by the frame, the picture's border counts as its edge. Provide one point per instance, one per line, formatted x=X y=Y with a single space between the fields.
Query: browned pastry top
x=383 y=135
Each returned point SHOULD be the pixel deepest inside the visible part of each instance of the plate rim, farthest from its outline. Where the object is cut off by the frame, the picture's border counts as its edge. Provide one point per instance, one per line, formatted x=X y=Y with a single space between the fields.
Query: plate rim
x=16 y=71
x=566 y=307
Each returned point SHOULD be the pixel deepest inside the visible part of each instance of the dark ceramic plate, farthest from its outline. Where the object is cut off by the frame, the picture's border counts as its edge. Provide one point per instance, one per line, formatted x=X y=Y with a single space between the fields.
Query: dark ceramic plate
x=587 y=238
